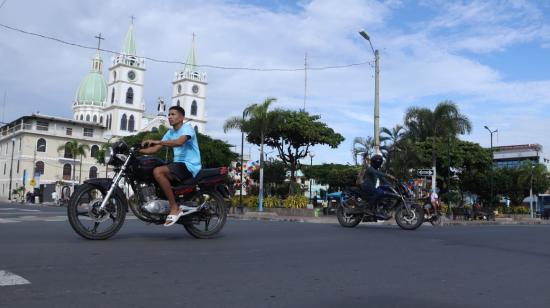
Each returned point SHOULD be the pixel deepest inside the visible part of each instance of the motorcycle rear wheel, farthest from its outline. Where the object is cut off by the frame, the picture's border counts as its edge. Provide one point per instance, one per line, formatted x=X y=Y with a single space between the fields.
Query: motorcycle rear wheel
x=85 y=217
x=409 y=220
x=208 y=222
x=347 y=220
x=436 y=220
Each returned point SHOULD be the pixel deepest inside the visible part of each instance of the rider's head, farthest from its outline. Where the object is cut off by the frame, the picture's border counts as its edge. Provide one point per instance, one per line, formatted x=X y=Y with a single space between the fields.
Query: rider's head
x=176 y=114
x=376 y=161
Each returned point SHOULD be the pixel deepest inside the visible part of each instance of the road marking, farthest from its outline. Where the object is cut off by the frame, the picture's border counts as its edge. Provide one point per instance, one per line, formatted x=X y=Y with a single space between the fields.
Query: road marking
x=7 y=221
x=10 y=279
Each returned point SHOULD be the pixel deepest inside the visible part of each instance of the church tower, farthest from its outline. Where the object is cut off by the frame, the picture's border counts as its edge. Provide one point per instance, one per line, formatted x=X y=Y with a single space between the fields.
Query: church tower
x=91 y=94
x=189 y=91
x=125 y=102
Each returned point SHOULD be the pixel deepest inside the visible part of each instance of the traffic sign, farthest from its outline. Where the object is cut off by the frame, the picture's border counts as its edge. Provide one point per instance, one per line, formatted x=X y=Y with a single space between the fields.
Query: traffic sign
x=33 y=182
x=425 y=172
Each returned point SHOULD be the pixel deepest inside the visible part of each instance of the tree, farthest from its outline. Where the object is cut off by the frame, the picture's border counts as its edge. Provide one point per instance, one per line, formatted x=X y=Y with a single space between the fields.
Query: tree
x=75 y=148
x=274 y=173
x=391 y=139
x=293 y=134
x=362 y=147
x=259 y=122
x=444 y=122
x=337 y=176
x=215 y=152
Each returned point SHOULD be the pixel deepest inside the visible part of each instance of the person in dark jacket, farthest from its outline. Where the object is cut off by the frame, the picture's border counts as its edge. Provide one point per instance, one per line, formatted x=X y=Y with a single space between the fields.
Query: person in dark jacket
x=371 y=177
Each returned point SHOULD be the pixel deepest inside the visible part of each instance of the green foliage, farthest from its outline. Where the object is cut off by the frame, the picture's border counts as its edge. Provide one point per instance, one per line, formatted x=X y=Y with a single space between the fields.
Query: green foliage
x=295 y=202
x=336 y=176
x=274 y=172
x=165 y=153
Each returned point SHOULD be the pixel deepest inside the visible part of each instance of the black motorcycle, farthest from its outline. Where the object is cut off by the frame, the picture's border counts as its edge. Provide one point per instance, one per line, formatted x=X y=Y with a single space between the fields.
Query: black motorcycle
x=97 y=209
x=397 y=201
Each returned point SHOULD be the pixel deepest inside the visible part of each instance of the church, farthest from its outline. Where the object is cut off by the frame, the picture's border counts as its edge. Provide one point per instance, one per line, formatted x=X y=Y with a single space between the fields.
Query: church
x=33 y=148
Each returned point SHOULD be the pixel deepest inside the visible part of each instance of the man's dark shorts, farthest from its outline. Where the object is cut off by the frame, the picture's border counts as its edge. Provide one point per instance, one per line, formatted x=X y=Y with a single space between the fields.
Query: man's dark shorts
x=179 y=171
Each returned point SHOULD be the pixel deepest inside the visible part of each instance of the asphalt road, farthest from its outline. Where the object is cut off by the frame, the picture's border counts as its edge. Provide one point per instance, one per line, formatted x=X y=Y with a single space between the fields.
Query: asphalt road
x=271 y=264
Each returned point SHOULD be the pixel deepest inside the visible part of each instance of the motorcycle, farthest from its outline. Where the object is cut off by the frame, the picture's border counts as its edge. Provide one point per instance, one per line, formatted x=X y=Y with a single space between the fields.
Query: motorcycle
x=431 y=214
x=397 y=201
x=97 y=209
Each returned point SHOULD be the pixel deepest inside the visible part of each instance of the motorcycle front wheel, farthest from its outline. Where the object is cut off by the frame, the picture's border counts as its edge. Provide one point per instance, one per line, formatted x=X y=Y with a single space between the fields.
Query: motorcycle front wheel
x=409 y=220
x=211 y=218
x=87 y=220
x=347 y=220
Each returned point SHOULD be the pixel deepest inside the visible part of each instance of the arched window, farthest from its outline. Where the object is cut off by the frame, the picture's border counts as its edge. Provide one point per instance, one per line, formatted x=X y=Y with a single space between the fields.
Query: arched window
x=131 y=123
x=41 y=145
x=39 y=168
x=130 y=96
x=68 y=153
x=194 y=108
x=95 y=118
x=67 y=172
x=196 y=128
x=87 y=118
x=123 y=122
x=110 y=121
x=154 y=129
x=101 y=119
x=94 y=150
x=114 y=77
x=93 y=172
x=113 y=95
x=178 y=103
x=81 y=117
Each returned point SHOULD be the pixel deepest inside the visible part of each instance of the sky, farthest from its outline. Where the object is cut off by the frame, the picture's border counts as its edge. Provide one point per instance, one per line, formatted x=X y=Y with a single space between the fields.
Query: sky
x=492 y=58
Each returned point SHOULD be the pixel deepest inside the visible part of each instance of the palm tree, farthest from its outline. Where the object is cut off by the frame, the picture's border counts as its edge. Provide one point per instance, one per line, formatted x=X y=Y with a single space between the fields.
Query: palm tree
x=445 y=121
x=363 y=147
x=74 y=149
x=258 y=121
x=393 y=135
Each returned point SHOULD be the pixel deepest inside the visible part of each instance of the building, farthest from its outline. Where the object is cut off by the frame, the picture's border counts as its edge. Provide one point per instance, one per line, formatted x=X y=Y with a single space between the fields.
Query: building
x=102 y=111
x=512 y=156
x=36 y=144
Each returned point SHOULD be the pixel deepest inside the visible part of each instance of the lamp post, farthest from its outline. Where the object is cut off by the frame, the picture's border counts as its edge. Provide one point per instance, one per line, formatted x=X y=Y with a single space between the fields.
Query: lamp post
x=311 y=155
x=492 y=159
x=11 y=166
x=376 y=93
x=242 y=170
x=531 y=193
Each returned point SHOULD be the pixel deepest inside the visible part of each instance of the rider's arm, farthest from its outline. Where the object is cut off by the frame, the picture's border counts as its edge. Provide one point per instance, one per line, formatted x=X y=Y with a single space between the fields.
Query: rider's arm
x=174 y=143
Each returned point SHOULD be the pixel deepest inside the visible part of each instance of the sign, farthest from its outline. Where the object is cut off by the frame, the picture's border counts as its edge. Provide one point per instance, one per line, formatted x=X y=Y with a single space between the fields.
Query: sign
x=32 y=182
x=425 y=172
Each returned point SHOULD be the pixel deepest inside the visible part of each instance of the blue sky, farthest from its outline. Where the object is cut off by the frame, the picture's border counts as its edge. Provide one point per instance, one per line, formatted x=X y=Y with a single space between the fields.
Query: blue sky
x=490 y=57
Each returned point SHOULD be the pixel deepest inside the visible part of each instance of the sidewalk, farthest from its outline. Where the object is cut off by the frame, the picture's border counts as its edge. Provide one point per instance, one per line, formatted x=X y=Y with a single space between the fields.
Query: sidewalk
x=331 y=219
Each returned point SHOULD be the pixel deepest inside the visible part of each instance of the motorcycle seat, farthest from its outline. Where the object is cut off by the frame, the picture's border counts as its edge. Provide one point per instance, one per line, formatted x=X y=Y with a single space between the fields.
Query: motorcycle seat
x=203 y=174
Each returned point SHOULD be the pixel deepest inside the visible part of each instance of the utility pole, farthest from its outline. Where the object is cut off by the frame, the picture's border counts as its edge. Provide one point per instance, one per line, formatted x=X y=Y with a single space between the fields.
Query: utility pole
x=492 y=161
x=376 y=101
x=11 y=166
x=241 y=208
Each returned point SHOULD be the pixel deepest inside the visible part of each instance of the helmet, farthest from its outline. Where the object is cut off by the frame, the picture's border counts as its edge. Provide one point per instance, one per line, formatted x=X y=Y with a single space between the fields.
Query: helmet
x=376 y=161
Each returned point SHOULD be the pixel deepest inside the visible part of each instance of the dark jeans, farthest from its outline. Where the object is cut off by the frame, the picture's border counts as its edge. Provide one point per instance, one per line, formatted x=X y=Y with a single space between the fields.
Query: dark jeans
x=373 y=194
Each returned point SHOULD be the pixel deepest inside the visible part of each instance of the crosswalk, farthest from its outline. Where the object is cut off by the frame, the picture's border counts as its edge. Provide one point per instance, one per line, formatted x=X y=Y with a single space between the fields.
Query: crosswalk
x=11 y=279
x=14 y=215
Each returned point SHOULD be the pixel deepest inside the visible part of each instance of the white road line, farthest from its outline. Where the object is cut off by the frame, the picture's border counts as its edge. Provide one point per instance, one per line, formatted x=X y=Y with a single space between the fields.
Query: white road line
x=10 y=279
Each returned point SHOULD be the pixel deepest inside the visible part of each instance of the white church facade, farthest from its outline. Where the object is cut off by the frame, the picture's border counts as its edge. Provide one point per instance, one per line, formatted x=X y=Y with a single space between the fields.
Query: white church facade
x=32 y=147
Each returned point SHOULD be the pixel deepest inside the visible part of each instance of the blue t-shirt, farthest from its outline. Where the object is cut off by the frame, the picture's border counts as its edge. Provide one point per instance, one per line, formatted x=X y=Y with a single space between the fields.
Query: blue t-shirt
x=188 y=153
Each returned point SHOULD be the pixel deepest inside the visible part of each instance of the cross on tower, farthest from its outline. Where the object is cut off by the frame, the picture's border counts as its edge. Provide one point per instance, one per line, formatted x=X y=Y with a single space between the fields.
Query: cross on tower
x=99 y=38
x=132 y=18
x=194 y=36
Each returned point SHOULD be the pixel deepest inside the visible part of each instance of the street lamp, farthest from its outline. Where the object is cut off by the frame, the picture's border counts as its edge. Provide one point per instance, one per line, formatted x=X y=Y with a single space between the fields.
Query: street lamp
x=11 y=166
x=492 y=159
x=531 y=193
x=311 y=155
x=376 y=93
x=242 y=170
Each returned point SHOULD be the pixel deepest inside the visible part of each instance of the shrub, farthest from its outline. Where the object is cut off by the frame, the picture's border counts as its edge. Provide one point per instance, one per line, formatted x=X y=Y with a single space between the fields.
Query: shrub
x=295 y=202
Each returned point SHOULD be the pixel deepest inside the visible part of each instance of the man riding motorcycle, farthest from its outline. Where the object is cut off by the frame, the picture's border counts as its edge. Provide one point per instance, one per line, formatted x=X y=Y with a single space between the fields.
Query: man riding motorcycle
x=372 y=174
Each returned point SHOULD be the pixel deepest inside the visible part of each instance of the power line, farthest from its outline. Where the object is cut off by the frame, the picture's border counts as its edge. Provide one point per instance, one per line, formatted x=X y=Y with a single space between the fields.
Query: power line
x=313 y=68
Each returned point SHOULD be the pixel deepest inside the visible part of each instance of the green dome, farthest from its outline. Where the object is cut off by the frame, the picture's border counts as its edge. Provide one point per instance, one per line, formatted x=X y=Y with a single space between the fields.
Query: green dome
x=93 y=88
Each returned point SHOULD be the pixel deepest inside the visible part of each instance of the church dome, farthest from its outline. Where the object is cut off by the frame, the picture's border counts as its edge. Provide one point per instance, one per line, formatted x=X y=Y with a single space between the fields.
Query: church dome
x=93 y=88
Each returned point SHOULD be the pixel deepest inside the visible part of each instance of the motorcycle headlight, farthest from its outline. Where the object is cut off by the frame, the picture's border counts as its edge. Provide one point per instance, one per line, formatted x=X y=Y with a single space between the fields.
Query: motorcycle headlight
x=109 y=155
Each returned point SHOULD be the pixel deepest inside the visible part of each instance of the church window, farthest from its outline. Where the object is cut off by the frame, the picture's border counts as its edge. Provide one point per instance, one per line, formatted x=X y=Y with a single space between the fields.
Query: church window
x=123 y=122
x=114 y=78
x=93 y=172
x=67 y=172
x=113 y=96
x=69 y=131
x=81 y=117
x=17 y=166
x=4 y=168
x=95 y=118
x=178 y=103
x=110 y=121
x=94 y=150
x=41 y=145
x=130 y=96
x=196 y=128
x=131 y=123
x=87 y=118
x=154 y=129
x=88 y=132
x=39 y=168
x=194 y=108
x=179 y=88
x=68 y=153
x=101 y=119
